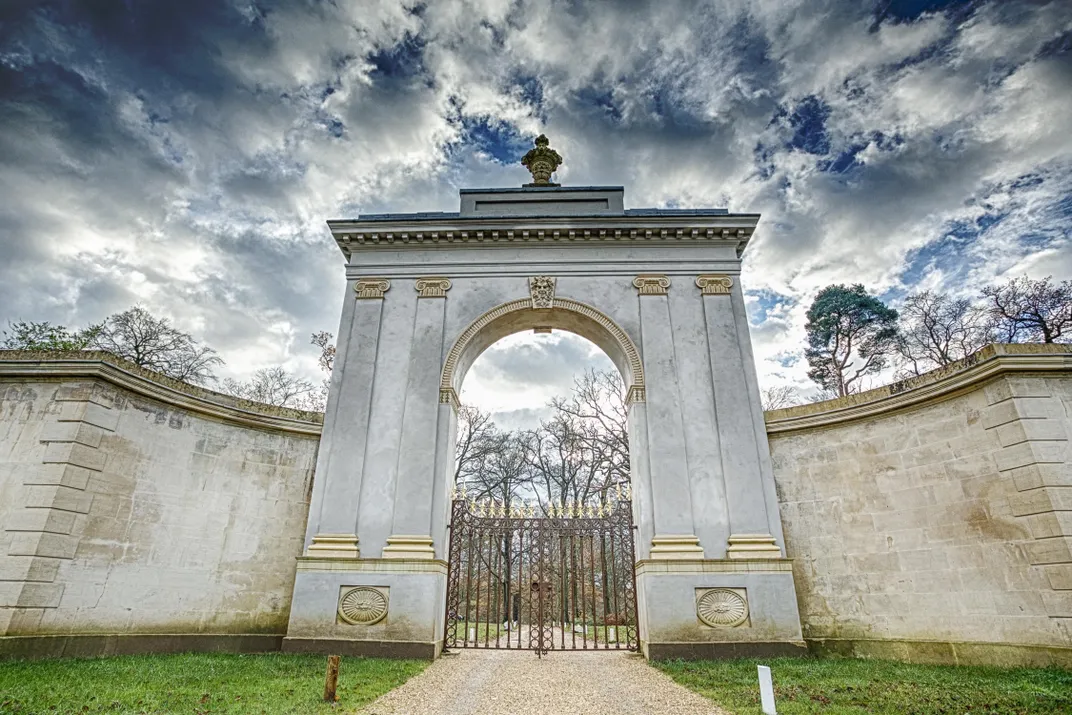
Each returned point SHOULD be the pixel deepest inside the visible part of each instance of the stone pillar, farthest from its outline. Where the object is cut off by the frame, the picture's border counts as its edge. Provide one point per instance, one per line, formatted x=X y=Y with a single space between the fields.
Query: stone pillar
x=443 y=471
x=750 y=535
x=640 y=476
x=377 y=481
x=411 y=535
x=674 y=536
x=340 y=462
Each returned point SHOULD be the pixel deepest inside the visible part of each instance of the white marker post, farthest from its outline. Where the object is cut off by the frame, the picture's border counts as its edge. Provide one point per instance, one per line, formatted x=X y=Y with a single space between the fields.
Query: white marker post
x=766 y=691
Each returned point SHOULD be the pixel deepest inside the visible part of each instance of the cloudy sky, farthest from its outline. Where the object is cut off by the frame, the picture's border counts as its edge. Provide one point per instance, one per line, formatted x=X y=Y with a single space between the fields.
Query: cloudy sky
x=185 y=155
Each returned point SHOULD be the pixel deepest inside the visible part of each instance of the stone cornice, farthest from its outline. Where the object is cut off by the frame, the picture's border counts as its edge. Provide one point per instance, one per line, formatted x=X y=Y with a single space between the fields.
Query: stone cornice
x=735 y=229
x=944 y=383
x=22 y=364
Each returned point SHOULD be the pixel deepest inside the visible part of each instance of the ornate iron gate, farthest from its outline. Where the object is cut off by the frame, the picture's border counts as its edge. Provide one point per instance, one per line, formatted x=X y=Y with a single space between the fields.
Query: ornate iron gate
x=560 y=582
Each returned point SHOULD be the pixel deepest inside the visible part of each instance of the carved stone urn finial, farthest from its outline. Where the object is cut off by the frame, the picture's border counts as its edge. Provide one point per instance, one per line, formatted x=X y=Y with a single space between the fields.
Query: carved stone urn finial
x=541 y=162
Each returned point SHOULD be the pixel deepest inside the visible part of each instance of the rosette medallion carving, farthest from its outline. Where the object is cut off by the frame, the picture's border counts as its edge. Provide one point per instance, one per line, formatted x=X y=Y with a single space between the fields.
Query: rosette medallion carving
x=362 y=605
x=721 y=607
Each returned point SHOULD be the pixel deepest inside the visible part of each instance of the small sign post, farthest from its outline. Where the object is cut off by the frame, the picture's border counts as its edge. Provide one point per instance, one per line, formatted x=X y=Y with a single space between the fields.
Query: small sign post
x=766 y=691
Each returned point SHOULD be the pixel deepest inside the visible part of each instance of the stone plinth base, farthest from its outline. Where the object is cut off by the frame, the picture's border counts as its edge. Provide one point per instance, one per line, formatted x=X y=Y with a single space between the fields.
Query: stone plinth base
x=718 y=608
x=1003 y=655
x=340 y=546
x=391 y=607
x=724 y=651
x=684 y=546
x=95 y=645
x=409 y=547
x=364 y=649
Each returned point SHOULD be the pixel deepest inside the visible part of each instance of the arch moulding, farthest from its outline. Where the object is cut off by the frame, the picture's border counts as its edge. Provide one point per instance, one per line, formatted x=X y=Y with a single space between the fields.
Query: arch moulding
x=566 y=314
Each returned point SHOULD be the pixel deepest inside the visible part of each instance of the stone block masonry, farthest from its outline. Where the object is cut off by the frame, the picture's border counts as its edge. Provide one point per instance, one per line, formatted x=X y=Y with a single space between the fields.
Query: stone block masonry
x=932 y=520
x=928 y=520
x=138 y=513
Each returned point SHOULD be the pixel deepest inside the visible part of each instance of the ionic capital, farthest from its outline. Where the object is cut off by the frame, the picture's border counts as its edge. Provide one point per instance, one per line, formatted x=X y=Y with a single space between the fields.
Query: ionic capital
x=651 y=284
x=372 y=287
x=432 y=287
x=714 y=284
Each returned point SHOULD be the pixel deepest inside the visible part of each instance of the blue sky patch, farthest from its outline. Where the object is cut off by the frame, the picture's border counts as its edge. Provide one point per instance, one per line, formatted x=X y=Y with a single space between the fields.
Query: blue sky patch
x=765 y=300
x=808 y=121
x=399 y=62
x=499 y=140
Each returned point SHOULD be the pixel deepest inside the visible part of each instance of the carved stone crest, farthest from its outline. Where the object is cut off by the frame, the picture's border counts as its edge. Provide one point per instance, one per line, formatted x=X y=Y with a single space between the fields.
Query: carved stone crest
x=652 y=284
x=722 y=607
x=542 y=292
x=435 y=287
x=362 y=605
x=714 y=285
x=372 y=287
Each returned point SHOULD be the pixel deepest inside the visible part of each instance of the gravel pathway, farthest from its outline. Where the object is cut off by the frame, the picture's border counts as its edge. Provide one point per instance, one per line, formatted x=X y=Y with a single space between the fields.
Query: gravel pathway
x=488 y=682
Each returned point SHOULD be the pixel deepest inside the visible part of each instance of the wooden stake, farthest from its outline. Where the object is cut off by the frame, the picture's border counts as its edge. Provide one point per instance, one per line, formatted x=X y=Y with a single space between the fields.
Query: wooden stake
x=331 y=681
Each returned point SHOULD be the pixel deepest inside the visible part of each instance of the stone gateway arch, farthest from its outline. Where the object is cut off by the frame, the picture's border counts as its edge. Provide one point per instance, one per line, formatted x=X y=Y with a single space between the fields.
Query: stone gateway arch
x=658 y=290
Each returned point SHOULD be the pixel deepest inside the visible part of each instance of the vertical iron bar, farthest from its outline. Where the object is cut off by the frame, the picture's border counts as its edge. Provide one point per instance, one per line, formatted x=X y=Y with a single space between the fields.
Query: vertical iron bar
x=584 y=599
x=634 y=643
x=520 y=576
x=476 y=587
x=496 y=580
x=573 y=588
x=614 y=569
x=468 y=583
x=592 y=573
x=562 y=585
x=491 y=576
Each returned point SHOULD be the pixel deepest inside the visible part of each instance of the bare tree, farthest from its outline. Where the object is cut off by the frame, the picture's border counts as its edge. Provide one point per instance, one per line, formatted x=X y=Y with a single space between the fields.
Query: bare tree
x=563 y=466
x=327 y=350
x=599 y=415
x=1030 y=311
x=780 y=396
x=936 y=330
x=491 y=467
x=150 y=342
x=276 y=386
x=477 y=438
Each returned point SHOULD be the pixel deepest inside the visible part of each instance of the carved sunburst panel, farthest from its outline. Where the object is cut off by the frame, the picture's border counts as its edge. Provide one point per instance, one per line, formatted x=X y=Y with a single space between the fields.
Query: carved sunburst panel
x=721 y=607
x=362 y=605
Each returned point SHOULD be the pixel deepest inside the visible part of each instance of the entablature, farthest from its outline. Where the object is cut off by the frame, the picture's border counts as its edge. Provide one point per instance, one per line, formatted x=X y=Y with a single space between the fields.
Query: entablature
x=357 y=235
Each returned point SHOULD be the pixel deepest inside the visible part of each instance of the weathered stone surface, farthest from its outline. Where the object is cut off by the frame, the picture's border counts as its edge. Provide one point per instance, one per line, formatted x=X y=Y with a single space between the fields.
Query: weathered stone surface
x=947 y=522
x=124 y=514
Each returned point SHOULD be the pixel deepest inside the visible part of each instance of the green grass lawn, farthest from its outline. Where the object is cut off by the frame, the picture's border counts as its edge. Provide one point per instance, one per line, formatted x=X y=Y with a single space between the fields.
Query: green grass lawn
x=195 y=684
x=843 y=686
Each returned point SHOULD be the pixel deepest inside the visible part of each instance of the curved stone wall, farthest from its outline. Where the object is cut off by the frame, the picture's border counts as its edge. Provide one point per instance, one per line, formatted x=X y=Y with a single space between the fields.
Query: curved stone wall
x=932 y=519
x=141 y=513
x=928 y=520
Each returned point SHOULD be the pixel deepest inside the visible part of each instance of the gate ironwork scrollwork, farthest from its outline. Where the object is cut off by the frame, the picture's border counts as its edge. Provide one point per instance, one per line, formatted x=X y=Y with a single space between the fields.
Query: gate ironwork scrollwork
x=562 y=581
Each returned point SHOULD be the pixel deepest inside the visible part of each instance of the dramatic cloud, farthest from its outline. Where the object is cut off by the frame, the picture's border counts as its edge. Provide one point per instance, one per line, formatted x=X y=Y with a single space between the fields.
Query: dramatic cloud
x=184 y=156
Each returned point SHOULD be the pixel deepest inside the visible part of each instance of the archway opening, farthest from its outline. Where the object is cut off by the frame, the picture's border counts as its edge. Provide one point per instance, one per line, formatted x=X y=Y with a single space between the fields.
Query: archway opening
x=542 y=488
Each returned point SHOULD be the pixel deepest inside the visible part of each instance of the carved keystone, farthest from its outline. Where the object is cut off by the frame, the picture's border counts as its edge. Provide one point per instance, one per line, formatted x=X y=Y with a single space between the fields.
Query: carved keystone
x=542 y=292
